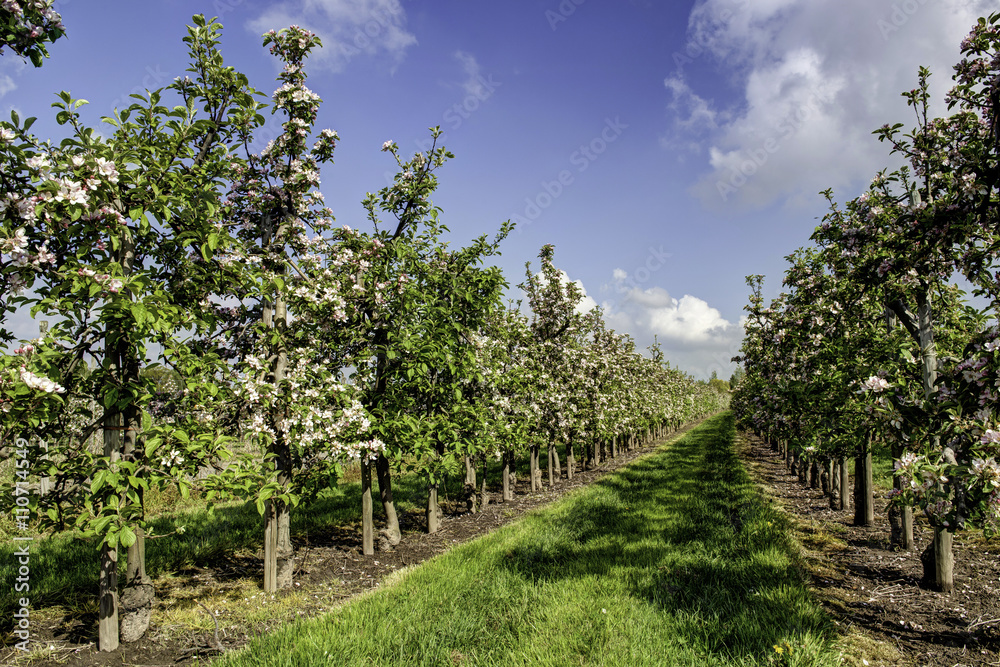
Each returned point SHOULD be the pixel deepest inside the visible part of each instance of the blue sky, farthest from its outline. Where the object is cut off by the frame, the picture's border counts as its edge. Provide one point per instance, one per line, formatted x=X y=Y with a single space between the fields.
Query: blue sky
x=667 y=149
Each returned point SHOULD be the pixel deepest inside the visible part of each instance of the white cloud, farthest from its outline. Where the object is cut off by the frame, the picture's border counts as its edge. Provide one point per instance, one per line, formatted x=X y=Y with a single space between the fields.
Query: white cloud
x=6 y=84
x=586 y=304
x=693 y=335
x=473 y=83
x=348 y=28
x=814 y=79
x=699 y=113
x=685 y=321
x=10 y=65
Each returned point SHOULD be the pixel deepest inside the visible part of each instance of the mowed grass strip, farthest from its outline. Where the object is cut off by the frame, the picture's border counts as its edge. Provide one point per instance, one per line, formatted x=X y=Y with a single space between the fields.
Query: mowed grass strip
x=674 y=560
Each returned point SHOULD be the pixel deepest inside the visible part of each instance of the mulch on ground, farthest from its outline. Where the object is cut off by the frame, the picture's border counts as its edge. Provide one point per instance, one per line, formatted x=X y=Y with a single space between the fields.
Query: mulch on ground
x=867 y=586
x=327 y=562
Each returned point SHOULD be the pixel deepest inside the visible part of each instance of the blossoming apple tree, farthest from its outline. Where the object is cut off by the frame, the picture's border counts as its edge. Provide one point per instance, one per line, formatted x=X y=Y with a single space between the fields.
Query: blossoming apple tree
x=899 y=243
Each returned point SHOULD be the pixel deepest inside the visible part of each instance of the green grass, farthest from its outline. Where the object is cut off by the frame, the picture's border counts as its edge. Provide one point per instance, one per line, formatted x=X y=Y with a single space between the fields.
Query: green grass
x=675 y=560
x=64 y=567
x=882 y=463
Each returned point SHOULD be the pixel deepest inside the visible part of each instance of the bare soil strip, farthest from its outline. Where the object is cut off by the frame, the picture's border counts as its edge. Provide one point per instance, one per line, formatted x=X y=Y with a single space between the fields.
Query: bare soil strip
x=330 y=565
x=872 y=590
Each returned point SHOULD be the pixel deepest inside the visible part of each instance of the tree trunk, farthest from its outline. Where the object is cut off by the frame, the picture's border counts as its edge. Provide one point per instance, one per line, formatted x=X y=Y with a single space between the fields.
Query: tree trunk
x=845 y=484
x=570 y=459
x=484 y=496
x=834 y=485
x=938 y=562
x=534 y=471
x=550 y=468
x=367 y=518
x=507 y=473
x=555 y=470
x=864 y=493
x=824 y=478
x=278 y=564
x=469 y=493
x=107 y=628
x=107 y=624
x=124 y=363
x=470 y=470
x=433 y=511
x=390 y=534
x=814 y=475
x=44 y=483
x=136 y=601
x=900 y=521
x=944 y=560
x=614 y=447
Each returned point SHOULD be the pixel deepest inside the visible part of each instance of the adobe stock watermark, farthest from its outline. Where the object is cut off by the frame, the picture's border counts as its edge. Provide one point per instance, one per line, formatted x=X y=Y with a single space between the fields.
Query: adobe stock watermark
x=655 y=261
x=154 y=79
x=382 y=21
x=22 y=552
x=581 y=159
x=901 y=14
x=223 y=7
x=756 y=158
x=563 y=11
x=455 y=115
x=702 y=43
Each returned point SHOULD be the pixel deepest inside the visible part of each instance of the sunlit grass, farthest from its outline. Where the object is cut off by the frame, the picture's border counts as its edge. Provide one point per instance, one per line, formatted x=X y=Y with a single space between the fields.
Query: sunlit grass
x=64 y=567
x=675 y=560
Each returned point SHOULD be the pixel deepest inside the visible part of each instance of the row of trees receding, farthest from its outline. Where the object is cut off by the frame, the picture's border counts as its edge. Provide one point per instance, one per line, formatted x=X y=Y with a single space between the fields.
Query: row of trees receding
x=871 y=344
x=214 y=329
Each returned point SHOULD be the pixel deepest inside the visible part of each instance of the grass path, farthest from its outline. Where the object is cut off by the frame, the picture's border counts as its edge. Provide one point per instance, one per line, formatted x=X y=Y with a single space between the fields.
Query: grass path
x=674 y=560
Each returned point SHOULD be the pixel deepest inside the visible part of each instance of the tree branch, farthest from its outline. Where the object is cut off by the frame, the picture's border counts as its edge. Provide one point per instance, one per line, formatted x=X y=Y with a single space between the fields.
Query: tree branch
x=906 y=318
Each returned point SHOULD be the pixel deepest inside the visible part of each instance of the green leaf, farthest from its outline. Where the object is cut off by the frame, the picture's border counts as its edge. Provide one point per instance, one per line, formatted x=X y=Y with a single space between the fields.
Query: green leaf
x=98 y=481
x=127 y=537
x=151 y=443
x=101 y=524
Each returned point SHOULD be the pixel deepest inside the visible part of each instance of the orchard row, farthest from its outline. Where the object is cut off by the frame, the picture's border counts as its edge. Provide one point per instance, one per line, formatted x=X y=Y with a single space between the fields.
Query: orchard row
x=240 y=338
x=871 y=343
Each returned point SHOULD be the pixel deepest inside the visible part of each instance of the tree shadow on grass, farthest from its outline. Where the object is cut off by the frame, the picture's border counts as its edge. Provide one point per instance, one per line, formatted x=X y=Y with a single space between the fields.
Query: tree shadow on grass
x=690 y=534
